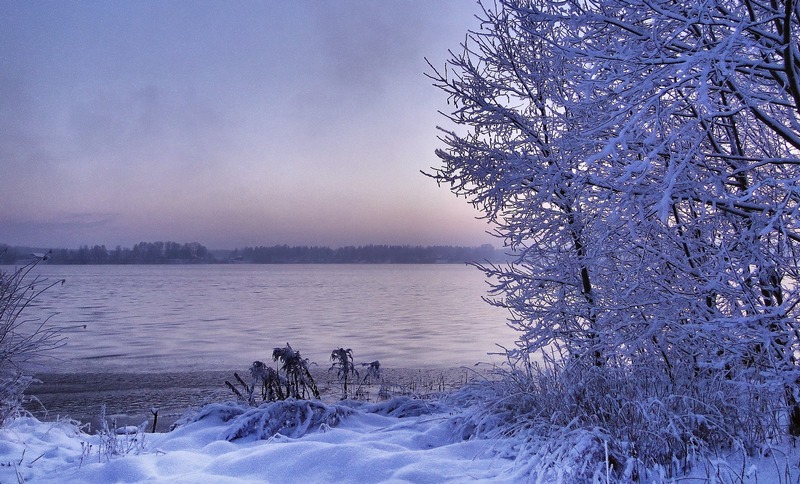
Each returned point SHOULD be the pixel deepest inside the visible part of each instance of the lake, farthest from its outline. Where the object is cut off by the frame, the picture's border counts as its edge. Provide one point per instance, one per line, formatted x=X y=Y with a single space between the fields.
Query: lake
x=203 y=317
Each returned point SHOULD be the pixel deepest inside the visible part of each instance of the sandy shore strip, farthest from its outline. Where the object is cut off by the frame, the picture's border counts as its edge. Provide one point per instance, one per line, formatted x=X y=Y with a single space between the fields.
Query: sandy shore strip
x=129 y=397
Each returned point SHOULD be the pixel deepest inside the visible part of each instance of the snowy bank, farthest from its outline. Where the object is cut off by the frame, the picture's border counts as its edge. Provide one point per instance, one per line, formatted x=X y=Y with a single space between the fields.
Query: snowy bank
x=402 y=440
x=399 y=440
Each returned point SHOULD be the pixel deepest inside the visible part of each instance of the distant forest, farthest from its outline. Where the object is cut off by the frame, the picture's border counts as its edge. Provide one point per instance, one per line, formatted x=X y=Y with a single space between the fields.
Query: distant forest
x=195 y=253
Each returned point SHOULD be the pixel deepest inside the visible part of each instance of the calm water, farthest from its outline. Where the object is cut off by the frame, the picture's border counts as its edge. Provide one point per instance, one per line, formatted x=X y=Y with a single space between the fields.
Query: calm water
x=180 y=318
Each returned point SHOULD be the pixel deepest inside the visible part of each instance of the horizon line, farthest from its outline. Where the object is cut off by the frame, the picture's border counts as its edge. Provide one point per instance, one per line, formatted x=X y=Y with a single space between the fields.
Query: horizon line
x=39 y=248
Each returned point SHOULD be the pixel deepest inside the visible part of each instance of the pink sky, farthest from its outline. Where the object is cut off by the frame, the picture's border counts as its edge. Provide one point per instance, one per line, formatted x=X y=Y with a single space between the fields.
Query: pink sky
x=226 y=123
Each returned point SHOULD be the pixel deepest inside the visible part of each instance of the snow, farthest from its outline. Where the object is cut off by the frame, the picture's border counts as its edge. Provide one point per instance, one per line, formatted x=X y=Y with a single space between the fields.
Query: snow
x=402 y=440
x=365 y=446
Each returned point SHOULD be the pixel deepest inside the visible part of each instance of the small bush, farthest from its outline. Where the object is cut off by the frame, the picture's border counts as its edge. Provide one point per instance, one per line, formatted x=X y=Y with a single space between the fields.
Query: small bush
x=23 y=338
x=372 y=376
x=299 y=382
x=262 y=377
x=296 y=381
x=343 y=363
x=628 y=422
x=114 y=441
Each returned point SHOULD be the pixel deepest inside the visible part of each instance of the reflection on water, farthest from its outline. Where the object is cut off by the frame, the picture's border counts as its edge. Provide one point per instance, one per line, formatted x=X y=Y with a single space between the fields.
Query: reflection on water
x=180 y=318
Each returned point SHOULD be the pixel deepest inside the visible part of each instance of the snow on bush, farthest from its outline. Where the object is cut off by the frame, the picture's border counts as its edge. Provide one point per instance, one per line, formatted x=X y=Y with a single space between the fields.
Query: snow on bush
x=404 y=406
x=290 y=418
x=294 y=418
x=648 y=430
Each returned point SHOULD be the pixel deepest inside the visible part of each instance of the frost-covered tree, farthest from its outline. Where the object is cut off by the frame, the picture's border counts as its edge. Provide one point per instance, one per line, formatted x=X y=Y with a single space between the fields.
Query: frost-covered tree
x=642 y=159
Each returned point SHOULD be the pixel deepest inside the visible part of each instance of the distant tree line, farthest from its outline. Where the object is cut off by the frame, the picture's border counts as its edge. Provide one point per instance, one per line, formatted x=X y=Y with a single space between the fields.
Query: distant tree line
x=141 y=253
x=195 y=253
x=368 y=254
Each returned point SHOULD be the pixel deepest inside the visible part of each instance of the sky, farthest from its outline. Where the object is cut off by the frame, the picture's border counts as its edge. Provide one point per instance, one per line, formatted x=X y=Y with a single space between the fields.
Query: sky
x=232 y=124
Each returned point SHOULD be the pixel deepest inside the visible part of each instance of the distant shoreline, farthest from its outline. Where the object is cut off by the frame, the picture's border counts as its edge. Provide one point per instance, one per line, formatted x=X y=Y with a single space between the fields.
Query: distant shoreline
x=173 y=253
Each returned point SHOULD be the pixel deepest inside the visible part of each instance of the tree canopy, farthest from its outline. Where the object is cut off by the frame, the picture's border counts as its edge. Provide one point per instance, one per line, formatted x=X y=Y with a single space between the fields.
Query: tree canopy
x=641 y=157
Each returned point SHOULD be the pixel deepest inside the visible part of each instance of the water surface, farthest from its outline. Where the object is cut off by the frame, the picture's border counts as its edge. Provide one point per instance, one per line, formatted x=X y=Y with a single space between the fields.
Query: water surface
x=206 y=317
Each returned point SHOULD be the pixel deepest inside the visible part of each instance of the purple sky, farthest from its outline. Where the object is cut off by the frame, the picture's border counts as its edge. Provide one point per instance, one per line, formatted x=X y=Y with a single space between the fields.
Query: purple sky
x=227 y=123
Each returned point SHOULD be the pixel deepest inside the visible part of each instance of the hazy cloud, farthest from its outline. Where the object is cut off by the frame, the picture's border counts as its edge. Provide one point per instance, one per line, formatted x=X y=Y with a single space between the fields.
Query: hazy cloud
x=301 y=122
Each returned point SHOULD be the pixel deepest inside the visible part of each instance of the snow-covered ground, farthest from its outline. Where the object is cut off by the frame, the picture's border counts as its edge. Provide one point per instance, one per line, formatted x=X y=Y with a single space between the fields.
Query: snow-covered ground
x=402 y=440
x=365 y=446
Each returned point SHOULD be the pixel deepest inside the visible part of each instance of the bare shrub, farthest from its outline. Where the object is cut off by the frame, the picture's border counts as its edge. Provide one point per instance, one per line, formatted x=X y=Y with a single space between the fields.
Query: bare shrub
x=372 y=376
x=345 y=368
x=299 y=382
x=295 y=382
x=261 y=377
x=114 y=441
x=23 y=338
